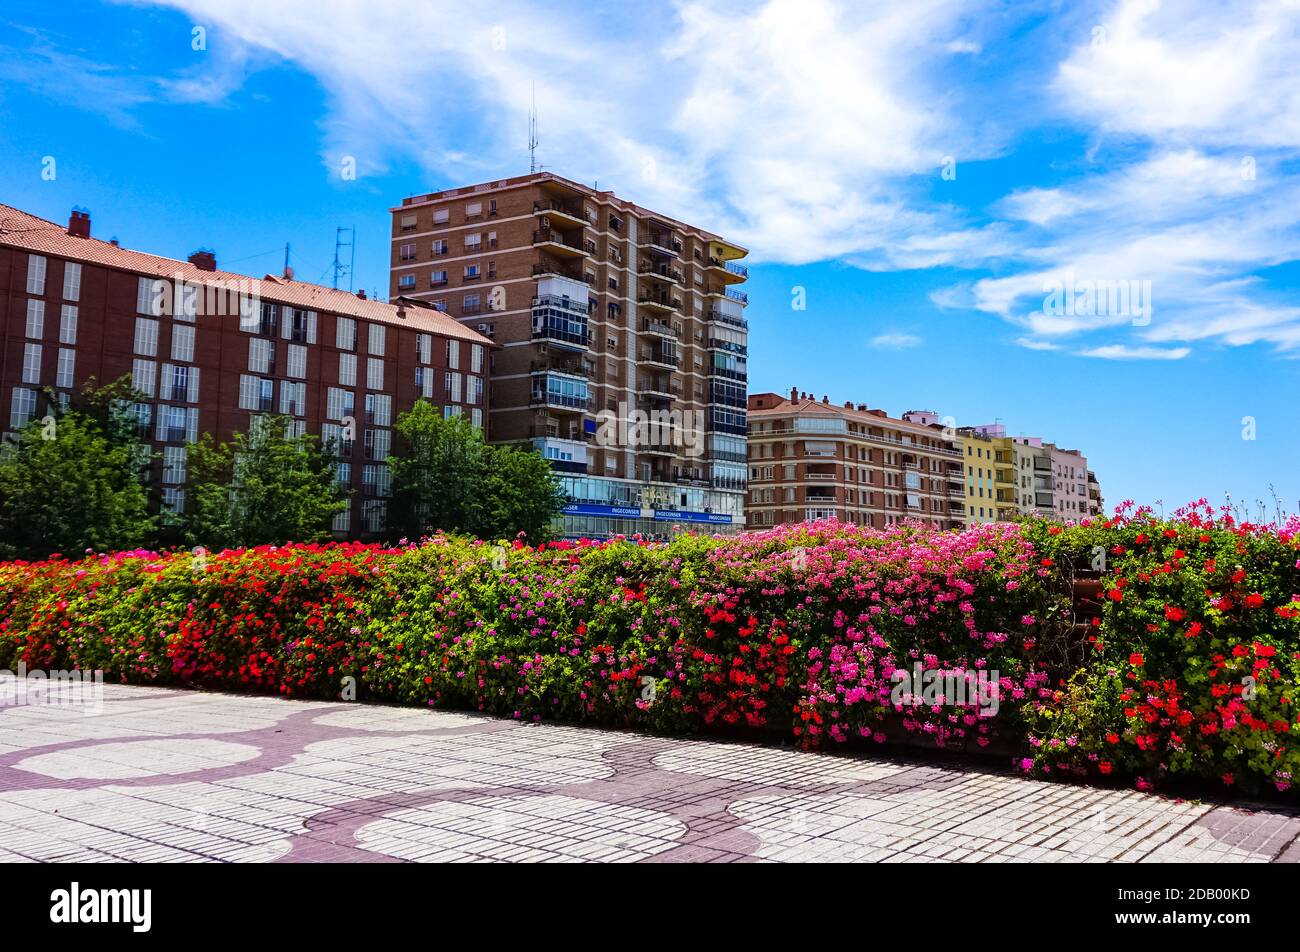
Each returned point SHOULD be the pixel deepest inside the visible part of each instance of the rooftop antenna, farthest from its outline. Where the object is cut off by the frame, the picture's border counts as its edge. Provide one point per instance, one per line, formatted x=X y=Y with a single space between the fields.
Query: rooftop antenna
x=286 y=259
x=350 y=243
x=532 y=133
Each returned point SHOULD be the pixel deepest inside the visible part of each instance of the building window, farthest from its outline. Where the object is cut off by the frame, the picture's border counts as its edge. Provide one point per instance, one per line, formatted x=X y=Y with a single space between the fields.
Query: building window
x=451 y=384
x=441 y=216
x=173 y=464
x=424 y=347
x=453 y=354
x=406 y=252
x=35 y=319
x=339 y=403
x=406 y=282
x=473 y=210
x=182 y=342
x=377 y=445
x=375 y=343
x=293 y=399
x=65 y=372
x=143 y=376
x=437 y=279
x=345 y=334
x=475 y=359
x=71 y=281
x=348 y=370
x=474 y=389
x=68 y=324
x=261 y=356
x=379 y=409
x=35 y=274
x=439 y=247
x=31 y=363
x=408 y=223
x=23 y=408
x=374 y=373
x=296 y=362
x=146 y=337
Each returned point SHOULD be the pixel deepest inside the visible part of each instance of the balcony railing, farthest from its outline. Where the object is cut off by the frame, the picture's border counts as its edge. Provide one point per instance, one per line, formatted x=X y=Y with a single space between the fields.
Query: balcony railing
x=544 y=236
x=722 y=317
x=661 y=328
x=661 y=271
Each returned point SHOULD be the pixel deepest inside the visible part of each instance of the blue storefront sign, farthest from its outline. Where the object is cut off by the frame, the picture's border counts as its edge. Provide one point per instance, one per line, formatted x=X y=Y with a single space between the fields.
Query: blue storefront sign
x=661 y=515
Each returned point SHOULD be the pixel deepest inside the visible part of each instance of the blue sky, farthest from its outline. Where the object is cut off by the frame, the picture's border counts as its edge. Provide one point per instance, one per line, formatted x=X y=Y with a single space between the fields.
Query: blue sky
x=925 y=172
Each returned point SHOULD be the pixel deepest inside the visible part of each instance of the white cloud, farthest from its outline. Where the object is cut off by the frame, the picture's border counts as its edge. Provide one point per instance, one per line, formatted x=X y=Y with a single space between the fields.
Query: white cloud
x=1125 y=352
x=896 y=340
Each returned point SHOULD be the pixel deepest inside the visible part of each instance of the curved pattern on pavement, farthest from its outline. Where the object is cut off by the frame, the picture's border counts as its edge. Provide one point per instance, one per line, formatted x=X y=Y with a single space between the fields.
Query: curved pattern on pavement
x=166 y=775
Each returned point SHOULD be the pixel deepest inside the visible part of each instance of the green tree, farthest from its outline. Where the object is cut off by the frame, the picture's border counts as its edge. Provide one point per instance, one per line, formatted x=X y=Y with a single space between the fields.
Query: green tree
x=71 y=482
x=439 y=483
x=449 y=478
x=262 y=488
x=523 y=495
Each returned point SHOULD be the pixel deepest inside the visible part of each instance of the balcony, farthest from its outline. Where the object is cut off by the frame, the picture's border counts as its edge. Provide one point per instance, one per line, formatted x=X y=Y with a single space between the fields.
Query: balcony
x=559 y=244
x=561 y=214
x=659 y=388
x=664 y=241
x=731 y=294
x=738 y=374
x=660 y=272
x=722 y=317
x=558 y=392
x=664 y=303
x=660 y=329
x=662 y=357
x=561 y=321
x=559 y=365
x=729 y=346
x=728 y=271
x=550 y=266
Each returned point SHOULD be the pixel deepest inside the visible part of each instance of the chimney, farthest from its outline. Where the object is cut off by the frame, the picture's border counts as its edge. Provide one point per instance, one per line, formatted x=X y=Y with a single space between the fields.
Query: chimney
x=362 y=294
x=204 y=260
x=113 y=242
x=794 y=394
x=848 y=404
x=79 y=223
x=825 y=399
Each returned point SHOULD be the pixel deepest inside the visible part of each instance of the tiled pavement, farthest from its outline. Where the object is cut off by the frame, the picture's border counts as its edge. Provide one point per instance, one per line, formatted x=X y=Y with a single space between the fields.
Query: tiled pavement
x=183 y=776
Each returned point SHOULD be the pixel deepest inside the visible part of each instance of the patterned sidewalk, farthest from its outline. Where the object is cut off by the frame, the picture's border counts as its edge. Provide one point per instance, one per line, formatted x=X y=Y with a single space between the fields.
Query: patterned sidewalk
x=164 y=775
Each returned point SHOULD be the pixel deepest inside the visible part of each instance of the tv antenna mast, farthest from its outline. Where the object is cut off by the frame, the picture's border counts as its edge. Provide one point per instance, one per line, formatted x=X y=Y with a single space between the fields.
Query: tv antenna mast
x=532 y=133
x=350 y=243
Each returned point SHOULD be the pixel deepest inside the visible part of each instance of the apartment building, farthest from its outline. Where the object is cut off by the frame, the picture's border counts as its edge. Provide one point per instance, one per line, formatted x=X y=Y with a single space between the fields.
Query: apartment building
x=210 y=350
x=812 y=459
x=1096 y=505
x=1069 y=483
x=991 y=477
x=622 y=342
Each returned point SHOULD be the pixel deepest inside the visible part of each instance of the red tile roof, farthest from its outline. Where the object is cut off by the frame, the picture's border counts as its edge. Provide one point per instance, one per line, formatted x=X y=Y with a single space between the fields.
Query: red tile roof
x=20 y=230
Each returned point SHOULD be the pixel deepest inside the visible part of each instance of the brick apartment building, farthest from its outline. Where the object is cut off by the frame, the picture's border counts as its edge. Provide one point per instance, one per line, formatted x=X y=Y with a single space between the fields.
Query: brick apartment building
x=211 y=349
x=811 y=459
x=606 y=315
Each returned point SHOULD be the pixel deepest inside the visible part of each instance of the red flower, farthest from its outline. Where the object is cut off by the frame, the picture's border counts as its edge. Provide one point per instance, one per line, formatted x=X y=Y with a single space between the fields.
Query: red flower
x=1135 y=659
x=1174 y=613
x=1254 y=600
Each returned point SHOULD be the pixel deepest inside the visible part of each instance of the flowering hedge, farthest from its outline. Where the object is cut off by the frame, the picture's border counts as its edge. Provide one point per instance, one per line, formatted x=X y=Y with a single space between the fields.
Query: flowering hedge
x=1186 y=665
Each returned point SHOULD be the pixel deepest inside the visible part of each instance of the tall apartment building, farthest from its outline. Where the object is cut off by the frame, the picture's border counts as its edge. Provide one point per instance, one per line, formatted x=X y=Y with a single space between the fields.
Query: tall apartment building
x=622 y=342
x=811 y=459
x=212 y=349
